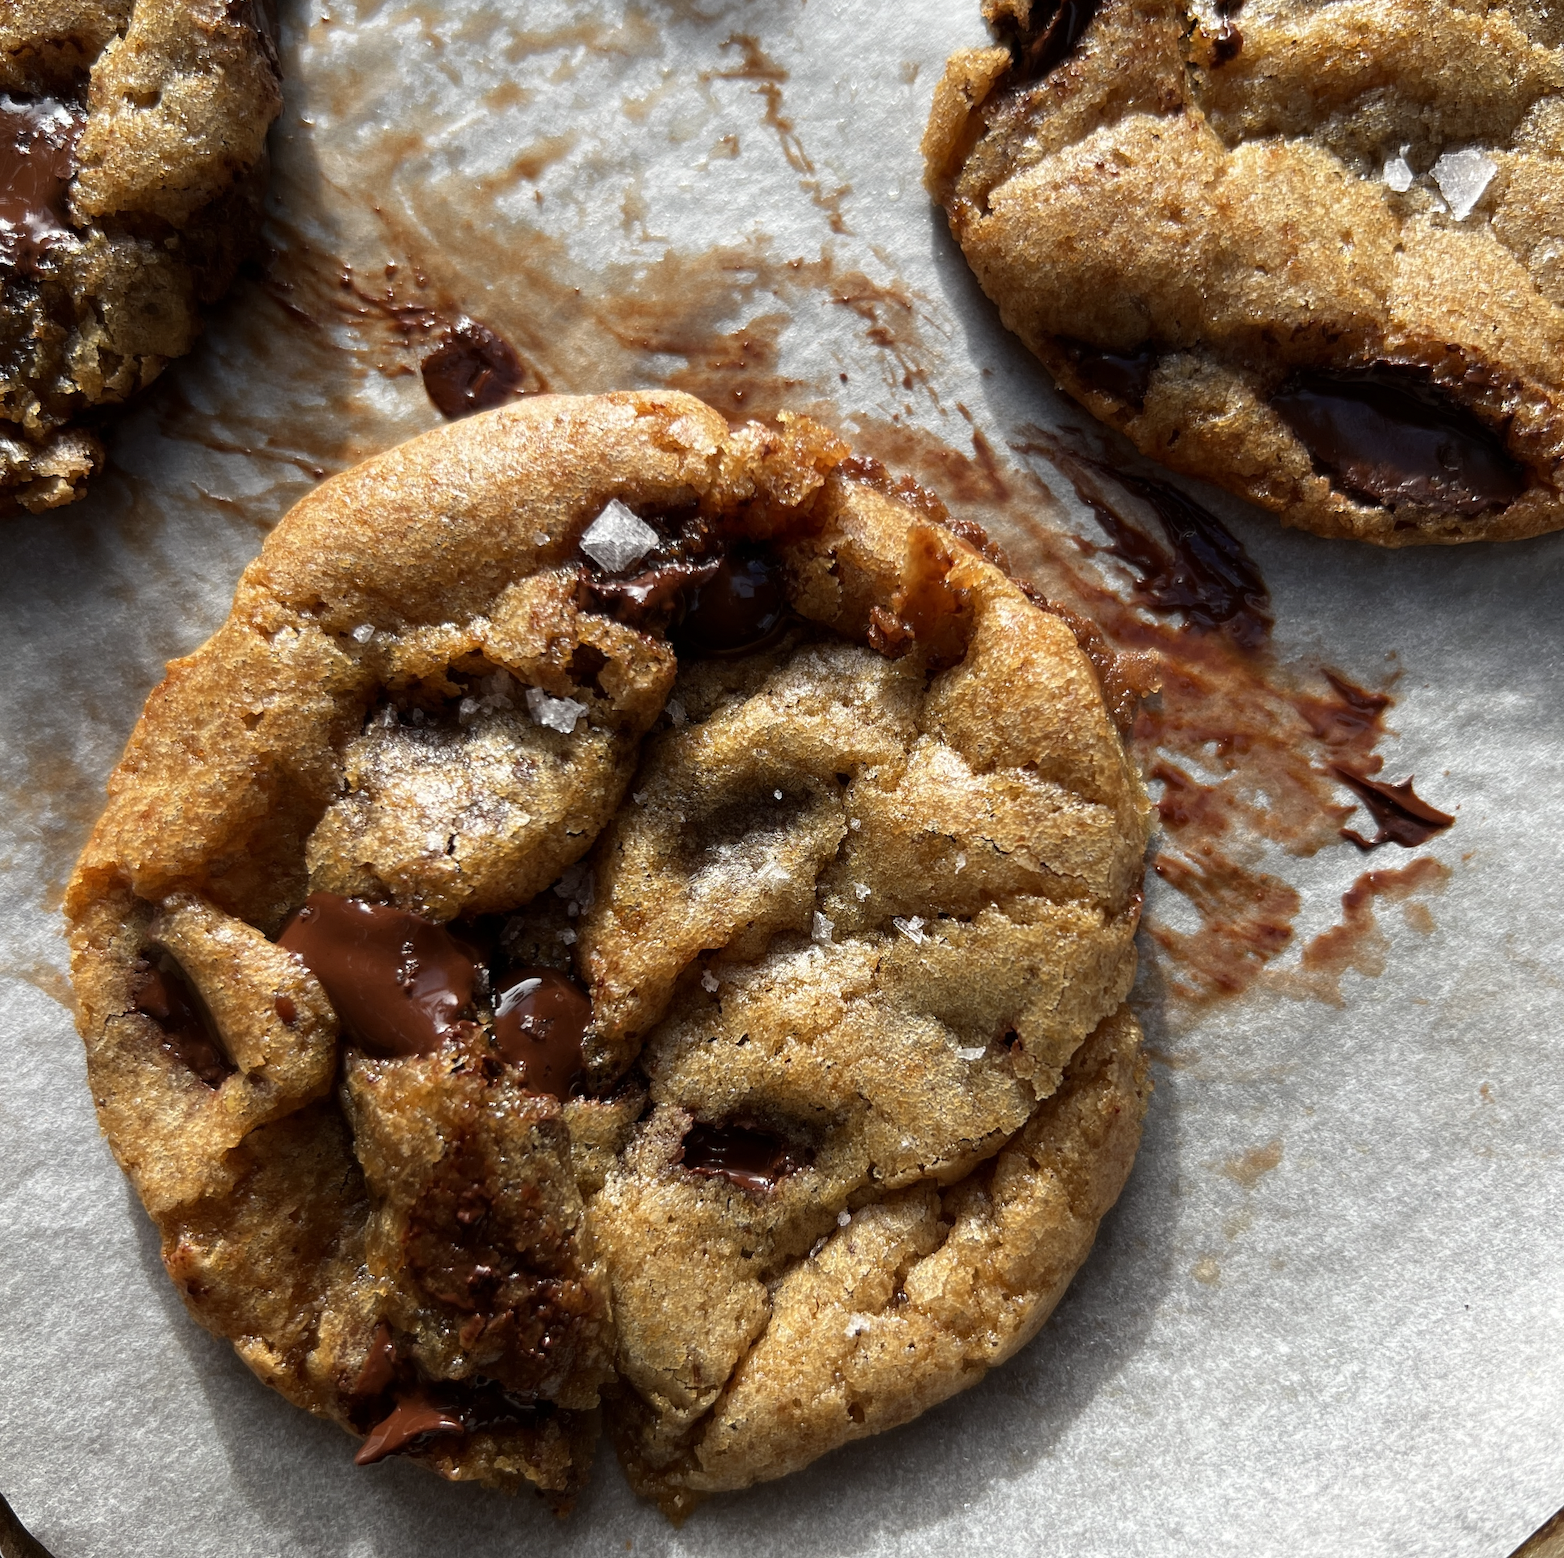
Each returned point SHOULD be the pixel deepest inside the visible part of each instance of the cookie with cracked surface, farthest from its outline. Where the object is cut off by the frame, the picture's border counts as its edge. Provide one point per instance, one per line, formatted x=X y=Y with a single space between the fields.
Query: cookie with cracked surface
x=132 y=159
x=1310 y=252
x=615 y=886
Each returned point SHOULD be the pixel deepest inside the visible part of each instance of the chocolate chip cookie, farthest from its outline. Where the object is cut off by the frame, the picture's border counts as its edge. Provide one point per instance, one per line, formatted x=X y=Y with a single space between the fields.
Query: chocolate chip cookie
x=1312 y=252
x=132 y=159
x=624 y=910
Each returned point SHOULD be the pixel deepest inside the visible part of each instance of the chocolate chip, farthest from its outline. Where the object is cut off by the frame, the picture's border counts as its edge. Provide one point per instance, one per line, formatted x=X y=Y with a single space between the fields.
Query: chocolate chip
x=1385 y=436
x=189 y=1033
x=37 y=160
x=474 y=369
x=399 y=983
x=748 y=1155
x=540 y=1019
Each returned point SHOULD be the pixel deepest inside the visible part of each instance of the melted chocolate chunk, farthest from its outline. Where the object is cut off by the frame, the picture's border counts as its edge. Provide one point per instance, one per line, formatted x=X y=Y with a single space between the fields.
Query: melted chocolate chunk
x=379 y=1367
x=398 y=982
x=539 y=1022
x=1051 y=39
x=1124 y=375
x=1385 y=437
x=739 y=606
x=1400 y=814
x=37 y=160
x=15 y=1539
x=653 y=599
x=1209 y=577
x=413 y=1422
x=474 y=369
x=1227 y=43
x=189 y=1034
x=752 y=1157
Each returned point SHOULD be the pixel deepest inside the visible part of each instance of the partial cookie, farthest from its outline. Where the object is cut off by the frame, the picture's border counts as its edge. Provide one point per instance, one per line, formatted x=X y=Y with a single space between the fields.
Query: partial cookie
x=615 y=891
x=132 y=160
x=1308 y=251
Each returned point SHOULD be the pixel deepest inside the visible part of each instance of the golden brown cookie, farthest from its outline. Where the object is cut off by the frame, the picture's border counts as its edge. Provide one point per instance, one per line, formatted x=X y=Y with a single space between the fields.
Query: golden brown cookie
x=132 y=159
x=622 y=903
x=1311 y=252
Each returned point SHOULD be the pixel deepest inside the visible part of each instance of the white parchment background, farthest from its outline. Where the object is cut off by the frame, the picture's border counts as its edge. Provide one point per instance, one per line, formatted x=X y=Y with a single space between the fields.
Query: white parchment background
x=1359 y=1350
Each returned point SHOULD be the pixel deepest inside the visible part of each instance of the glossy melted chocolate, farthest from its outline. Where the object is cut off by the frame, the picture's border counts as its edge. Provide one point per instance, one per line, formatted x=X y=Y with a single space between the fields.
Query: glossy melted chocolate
x=1401 y=816
x=737 y=607
x=539 y=1022
x=412 y=1423
x=1048 y=43
x=473 y=369
x=189 y=1034
x=1209 y=577
x=37 y=160
x=1385 y=437
x=398 y=982
x=1125 y=376
x=751 y=1157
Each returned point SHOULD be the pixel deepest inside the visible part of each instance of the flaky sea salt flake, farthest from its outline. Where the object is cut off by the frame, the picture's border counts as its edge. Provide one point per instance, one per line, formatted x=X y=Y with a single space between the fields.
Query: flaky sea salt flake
x=912 y=929
x=617 y=539
x=860 y=891
x=823 y=929
x=676 y=711
x=843 y=1218
x=858 y=1324
x=708 y=981
x=363 y=632
x=1398 y=171
x=558 y=714
x=971 y=1052
x=1462 y=176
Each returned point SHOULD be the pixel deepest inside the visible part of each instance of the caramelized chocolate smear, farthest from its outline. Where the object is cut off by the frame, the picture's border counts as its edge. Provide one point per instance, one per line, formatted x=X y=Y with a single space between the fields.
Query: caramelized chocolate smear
x=474 y=369
x=412 y=1423
x=189 y=1034
x=1400 y=814
x=1209 y=577
x=379 y=1367
x=1386 y=438
x=1124 y=375
x=540 y=1019
x=398 y=982
x=37 y=159
x=750 y=1156
x=738 y=606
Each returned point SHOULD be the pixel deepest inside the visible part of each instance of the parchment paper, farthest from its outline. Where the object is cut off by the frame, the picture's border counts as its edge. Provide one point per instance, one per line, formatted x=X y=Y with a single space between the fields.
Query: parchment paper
x=1325 y=1315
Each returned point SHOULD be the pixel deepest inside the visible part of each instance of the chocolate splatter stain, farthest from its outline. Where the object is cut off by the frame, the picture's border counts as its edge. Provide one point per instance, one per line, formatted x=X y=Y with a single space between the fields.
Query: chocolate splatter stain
x=1357 y=943
x=1246 y=748
x=758 y=67
x=1401 y=816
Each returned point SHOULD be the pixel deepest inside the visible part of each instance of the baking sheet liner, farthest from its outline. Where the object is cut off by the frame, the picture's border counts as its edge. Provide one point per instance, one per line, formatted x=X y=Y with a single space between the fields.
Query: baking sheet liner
x=1325 y=1314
